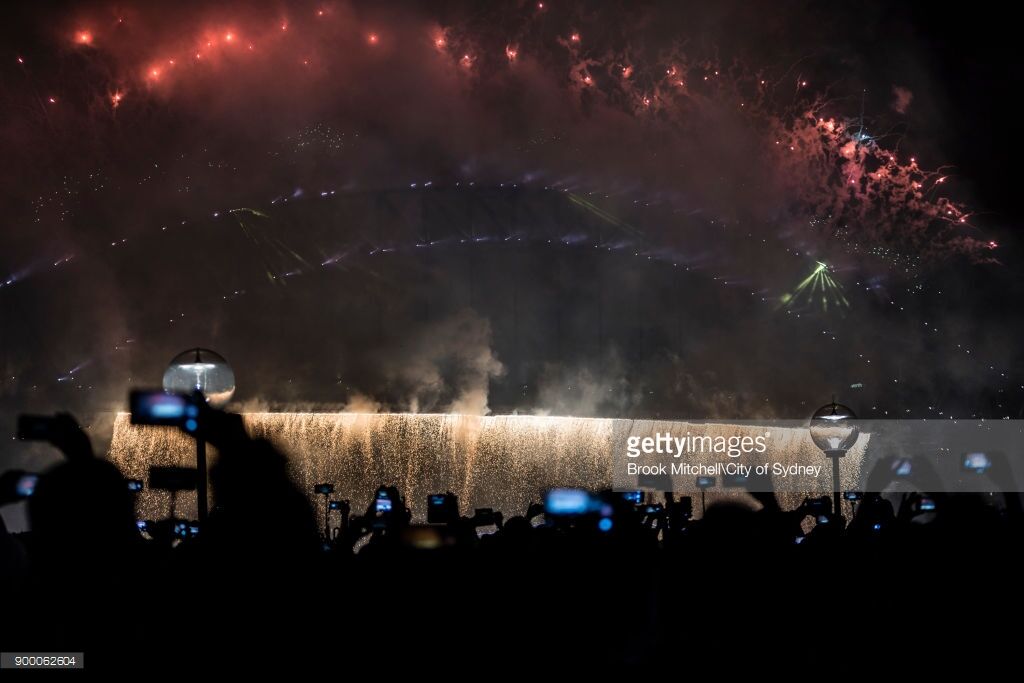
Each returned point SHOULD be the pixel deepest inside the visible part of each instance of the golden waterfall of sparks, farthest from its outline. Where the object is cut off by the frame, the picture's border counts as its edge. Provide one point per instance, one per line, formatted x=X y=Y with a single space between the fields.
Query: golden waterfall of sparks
x=498 y=461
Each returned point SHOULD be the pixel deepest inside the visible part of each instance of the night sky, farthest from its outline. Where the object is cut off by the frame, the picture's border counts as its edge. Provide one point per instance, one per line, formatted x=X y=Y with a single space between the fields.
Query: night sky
x=601 y=209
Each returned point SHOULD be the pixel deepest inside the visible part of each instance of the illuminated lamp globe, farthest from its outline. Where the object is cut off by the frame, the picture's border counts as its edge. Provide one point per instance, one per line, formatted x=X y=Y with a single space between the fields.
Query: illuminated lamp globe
x=834 y=429
x=201 y=370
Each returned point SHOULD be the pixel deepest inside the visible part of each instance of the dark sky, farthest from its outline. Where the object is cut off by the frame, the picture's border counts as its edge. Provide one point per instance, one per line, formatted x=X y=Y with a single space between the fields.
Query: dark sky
x=590 y=208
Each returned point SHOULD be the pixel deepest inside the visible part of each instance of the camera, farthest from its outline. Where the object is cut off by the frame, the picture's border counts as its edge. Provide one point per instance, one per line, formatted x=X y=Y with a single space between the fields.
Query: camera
x=705 y=482
x=818 y=506
x=442 y=508
x=634 y=497
x=134 y=485
x=853 y=495
x=173 y=478
x=182 y=528
x=26 y=485
x=562 y=502
x=323 y=489
x=902 y=467
x=161 y=408
x=35 y=427
x=484 y=517
x=976 y=462
x=924 y=504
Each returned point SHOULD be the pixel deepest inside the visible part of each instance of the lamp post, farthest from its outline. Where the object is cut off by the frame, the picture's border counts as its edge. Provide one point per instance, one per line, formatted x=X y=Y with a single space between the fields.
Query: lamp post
x=206 y=372
x=834 y=430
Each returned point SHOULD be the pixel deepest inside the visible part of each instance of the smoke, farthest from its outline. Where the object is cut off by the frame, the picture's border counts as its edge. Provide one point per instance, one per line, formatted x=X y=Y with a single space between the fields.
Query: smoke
x=361 y=403
x=901 y=99
x=446 y=367
x=601 y=386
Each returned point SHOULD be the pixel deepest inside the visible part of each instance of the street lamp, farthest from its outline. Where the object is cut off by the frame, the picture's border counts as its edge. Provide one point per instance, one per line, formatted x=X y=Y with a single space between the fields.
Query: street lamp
x=834 y=430
x=206 y=372
x=201 y=370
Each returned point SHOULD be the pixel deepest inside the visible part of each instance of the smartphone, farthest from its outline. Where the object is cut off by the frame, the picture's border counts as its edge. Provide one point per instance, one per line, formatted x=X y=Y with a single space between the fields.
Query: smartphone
x=705 y=482
x=142 y=525
x=442 y=508
x=853 y=495
x=35 y=427
x=134 y=485
x=338 y=505
x=926 y=504
x=484 y=517
x=634 y=497
x=567 y=502
x=976 y=462
x=26 y=485
x=323 y=489
x=181 y=529
x=383 y=502
x=653 y=509
x=817 y=506
x=161 y=408
x=902 y=467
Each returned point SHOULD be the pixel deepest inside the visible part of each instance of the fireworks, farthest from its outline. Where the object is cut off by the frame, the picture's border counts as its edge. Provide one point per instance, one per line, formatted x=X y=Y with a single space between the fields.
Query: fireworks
x=870 y=200
x=820 y=149
x=817 y=288
x=495 y=461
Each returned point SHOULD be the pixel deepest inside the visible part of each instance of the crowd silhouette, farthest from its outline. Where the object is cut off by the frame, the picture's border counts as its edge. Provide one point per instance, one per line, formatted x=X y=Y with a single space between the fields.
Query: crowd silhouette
x=261 y=585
